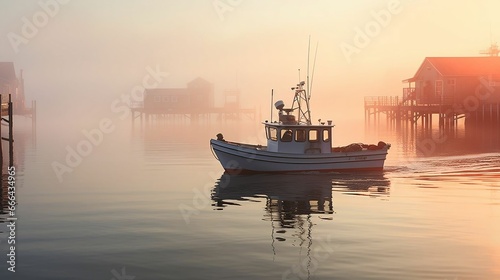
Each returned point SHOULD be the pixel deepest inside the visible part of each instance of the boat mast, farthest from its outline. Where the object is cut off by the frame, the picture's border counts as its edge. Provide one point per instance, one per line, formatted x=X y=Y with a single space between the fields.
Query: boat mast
x=301 y=102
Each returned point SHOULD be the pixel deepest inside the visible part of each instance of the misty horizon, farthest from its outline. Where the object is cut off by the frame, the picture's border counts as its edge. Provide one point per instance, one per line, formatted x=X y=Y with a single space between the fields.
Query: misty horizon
x=87 y=52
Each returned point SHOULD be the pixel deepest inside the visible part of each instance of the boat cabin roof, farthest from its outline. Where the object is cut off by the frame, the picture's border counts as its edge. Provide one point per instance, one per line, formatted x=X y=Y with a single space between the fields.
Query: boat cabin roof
x=277 y=124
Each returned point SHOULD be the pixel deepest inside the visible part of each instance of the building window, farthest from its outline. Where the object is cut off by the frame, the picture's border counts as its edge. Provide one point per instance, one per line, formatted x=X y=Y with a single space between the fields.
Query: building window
x=286 y=135
x=493 y=83
x=157 y=98
x=326 y=135
x=313 y=135
x=300 y=135
x=273 y=133
x=451 y=82
x=439 y=87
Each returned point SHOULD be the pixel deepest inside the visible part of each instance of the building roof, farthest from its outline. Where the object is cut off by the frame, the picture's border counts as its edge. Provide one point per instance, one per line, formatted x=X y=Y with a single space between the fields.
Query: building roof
x=165 y=91
x=199 y=83
x=462 y=66
x=7 y=72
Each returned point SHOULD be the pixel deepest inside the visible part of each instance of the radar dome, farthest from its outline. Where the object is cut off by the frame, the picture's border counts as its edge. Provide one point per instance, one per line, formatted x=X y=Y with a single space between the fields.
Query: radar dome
x=279 y=105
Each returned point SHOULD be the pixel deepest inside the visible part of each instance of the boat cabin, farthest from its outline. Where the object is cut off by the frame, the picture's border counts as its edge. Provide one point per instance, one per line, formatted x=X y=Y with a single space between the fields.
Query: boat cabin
x=299 y=139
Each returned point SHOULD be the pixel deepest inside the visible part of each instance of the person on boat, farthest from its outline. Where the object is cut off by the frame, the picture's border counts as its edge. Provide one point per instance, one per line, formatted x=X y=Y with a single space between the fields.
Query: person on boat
x=220 y=137
x=287 y=136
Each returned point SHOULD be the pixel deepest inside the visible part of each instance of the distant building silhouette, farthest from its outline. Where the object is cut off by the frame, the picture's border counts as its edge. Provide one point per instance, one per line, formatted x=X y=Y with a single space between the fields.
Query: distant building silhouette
x=11 y=84
x=197 y=96
x=195 y=102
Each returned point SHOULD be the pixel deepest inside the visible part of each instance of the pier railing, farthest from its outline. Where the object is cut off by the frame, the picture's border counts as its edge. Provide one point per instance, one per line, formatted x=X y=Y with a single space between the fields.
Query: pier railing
x=136 y=105
x=409 y=95
x=382 y=101
x=408 y=99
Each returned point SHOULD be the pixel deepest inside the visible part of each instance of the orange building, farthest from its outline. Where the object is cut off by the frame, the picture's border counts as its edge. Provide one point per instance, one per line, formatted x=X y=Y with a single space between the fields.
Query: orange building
x=451 y=80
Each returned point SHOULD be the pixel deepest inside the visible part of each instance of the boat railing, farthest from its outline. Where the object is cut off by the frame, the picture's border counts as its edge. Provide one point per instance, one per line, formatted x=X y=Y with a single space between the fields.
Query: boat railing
x=251 y=146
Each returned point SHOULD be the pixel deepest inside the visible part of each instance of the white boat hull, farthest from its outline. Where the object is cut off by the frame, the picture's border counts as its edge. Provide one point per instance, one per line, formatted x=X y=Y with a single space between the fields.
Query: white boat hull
x=241 y=158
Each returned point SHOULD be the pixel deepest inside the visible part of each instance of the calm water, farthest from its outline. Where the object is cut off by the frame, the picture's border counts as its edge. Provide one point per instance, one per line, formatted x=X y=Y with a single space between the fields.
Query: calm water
x=151 y=202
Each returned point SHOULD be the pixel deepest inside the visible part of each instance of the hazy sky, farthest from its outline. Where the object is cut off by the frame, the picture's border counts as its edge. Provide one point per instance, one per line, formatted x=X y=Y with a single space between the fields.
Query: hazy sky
x=91 y=52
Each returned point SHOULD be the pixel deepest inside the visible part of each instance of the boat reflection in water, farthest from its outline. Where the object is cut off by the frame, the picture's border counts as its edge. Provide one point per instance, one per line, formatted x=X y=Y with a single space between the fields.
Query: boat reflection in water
x=373 y=184
x=292 y=199
x=287 y=194
x=297 y=193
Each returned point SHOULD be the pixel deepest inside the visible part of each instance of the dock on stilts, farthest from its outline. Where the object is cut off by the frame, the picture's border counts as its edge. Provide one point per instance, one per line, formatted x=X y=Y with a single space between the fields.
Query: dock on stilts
x=396 y=112
x=12 y=102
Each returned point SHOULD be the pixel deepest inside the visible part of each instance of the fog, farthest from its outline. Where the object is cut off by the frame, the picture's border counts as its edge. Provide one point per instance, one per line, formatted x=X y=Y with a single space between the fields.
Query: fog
x=83 y=55
x=99 y=194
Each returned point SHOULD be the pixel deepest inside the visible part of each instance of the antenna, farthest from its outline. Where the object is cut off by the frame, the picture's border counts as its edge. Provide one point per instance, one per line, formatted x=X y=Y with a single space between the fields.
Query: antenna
x=302 y=95
x=272 y=101
x=308 y=53
x=314 y=67
x=491 y=36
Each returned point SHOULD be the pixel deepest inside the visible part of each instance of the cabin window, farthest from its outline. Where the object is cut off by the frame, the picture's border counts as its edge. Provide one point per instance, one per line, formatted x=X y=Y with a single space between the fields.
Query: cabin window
x=300 y=135
x=313 y=135
x=157 y=98
x=451 y=82
x=273 y=133
x=286 y=135
x=326 y=135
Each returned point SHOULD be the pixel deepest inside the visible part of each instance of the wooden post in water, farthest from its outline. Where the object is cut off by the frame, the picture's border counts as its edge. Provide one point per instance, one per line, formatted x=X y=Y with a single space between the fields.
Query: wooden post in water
x=1 y=158
x=11 y=136
x=33 y=121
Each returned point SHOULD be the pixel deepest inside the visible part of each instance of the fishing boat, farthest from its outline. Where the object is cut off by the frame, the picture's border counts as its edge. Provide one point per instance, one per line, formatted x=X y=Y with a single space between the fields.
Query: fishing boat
x=295 y=144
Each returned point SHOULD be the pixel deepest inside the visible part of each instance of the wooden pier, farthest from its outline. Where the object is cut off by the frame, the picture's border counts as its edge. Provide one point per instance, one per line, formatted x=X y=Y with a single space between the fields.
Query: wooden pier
x=395 y=111
x=7 y=110
x=215 y=113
